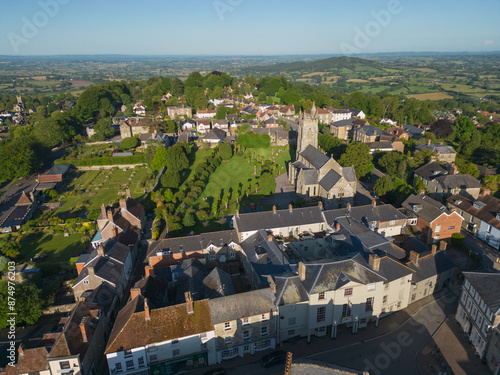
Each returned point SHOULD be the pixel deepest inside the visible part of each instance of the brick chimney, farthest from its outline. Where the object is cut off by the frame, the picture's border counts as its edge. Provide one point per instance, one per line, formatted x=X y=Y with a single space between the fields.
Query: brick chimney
x=302 y=271
x=114 y=230
x=443 y=245
x=237 y=214
x=485 y=192
x=414 y=257
x=90 y=270
x=123 y=204
x=337 y=226
x=270 y=237
x=149 y=271
x=453 y=169
x=374 y=203
x=349 y=206
x=109 y=213
x=100 y=250
x=271 y=282
x=428 y=142
x=103 y=211
x=127 y=193
x=134 y=292
x=274 y=208
x=189 y=303
x=290 y=208
x=147 y=313
x=20 y=350
x=320 y=205
x=374 y=262
x=434 y=249
x=84 y=328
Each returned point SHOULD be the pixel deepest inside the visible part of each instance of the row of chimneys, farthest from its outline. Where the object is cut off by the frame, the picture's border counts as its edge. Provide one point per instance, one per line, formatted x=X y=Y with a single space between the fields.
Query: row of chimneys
x=414 y=256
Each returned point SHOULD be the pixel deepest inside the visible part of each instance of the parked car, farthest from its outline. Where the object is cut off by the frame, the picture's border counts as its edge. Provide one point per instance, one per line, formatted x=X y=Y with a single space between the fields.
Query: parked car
x=216 y=371
x=275 y=358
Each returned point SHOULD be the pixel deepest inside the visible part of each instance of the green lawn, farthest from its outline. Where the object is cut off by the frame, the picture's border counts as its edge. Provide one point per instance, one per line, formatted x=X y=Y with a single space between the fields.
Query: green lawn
x=57 y=247
x=90 y=189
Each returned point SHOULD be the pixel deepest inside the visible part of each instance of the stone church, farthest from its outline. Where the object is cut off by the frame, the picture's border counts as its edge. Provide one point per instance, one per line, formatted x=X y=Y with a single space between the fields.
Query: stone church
x=314 y=174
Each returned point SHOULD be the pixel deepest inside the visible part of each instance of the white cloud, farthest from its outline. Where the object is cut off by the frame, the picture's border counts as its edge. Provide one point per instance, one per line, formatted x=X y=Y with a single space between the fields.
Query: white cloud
x=488 y=42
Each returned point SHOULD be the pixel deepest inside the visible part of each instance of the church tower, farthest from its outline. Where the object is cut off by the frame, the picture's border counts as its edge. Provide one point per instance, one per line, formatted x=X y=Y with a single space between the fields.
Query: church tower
x=308 y=131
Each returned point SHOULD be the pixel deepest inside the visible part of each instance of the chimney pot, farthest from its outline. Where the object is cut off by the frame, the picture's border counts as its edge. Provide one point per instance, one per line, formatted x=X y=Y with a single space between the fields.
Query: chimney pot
x=429 y=142
x=103 y=211
x=110 y=215
x=149 y=271
x=349 y=206
x=320 y=205
x=134 y=292
x=127 y=193
x=374 y=203
x=486 y=192
x=274 y=208
x=20 y=350
x=123 y=204
x=290 y=208
x=237 y=214
x=270 y=237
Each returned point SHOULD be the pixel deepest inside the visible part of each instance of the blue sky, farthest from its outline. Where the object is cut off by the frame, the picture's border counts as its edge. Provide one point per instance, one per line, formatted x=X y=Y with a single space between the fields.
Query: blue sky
x=247 y=27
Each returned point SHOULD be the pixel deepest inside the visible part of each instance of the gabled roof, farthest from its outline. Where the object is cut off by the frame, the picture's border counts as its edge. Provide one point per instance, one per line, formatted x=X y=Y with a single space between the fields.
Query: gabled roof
x=190 y=274
x=289 y=290
x=242 y=305
x=349 y=174
x=437 y=148
x=132 y=330
x=154 y=289
x=218 y=283
x=367 y=213
x=429 y=265
x=486 y=285
x=33 y=361
x=343 y=123
x=425 y=207
x=314 y=156
x=487 y=211
x=24 y=200
x=370 y=130
x=430 y=171
x=310 y=176
x=279 y=219
x=462 y=181
x=330 y=180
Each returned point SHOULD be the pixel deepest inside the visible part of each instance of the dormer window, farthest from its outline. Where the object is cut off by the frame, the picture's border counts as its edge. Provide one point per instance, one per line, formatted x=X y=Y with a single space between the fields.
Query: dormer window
x=497 y=216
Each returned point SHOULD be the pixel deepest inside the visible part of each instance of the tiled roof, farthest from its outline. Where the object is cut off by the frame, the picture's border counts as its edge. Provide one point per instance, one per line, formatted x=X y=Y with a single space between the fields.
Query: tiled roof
x=463 y=181
x=486 y=285
x=289 y=290
x=430 y=171
x=24 y=199
x=218 y=283
x=425 y=207
x=33 y=361
x=132 y=330
x=486 y=212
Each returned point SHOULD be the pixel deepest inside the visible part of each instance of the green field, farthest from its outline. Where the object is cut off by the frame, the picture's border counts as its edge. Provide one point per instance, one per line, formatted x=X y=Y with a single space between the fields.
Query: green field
x=90 y=189
x=57 y=247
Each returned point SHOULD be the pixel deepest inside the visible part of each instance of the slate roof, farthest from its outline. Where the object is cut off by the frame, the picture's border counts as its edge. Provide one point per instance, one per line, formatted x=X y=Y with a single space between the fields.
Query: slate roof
x=437 y=148
x=309 y=367
x=190 y=274
x=429 y=265
x=367 y=213
x=289 y=290
x=154 y=289
x=370 y=130
x=310 y=176
x=330 y=179
x=241 y=305
x=165 y=324
x=431 y=170
x=218 y=283
x=280 y=219
x=331 y=275
x=343 y=123
x=412 y=130
x=463 y=181
x=349 y=174
x=381 y=145
x=194 y=243
x=486 y=285
x=104 y=295
x=314 y=156
x=487 y=212
x=427 y=208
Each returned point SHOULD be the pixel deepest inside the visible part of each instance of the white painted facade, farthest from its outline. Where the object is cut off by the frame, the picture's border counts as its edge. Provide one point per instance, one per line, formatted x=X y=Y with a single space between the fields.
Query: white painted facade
x=489 y=234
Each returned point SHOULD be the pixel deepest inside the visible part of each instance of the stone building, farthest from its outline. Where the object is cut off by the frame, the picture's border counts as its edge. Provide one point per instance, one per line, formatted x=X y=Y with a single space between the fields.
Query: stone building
x=314 y=174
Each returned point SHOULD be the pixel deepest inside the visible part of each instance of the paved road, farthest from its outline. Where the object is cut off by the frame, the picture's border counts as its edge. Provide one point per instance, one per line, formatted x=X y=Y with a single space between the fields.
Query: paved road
x=395 y=352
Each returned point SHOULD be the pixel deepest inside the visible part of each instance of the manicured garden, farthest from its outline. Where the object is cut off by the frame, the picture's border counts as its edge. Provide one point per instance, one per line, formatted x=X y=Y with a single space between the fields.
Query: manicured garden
x=56 y=247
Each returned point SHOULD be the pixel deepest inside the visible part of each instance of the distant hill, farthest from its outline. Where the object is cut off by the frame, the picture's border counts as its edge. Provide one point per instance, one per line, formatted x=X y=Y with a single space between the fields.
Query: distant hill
x=332 y=64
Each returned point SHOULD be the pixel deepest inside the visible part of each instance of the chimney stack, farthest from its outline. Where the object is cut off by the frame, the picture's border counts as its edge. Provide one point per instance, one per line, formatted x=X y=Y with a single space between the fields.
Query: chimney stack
x=127 y=193
x=428 y=142
x=443 y=245
x=84 y=328
x=486 y=192
x=237 y=214
x=302 y=271
x=349 y=206
x=123 y=204
x=149 y=271
x=147 y=313
x=274 y=208
x=374 y=262
x=100 y=250
x=414 y=257
x=114 y=230
x=374 y=203
x=320 y=205
x=290 y=208
x=90 y=270
x=271 y=282
x=337 y=226
x=134 y=292
x=270 y=237
x=103 y=211
x=434 y=249
x=20 y=350
x=453 y=169
x=189 y=303
x=110 y=215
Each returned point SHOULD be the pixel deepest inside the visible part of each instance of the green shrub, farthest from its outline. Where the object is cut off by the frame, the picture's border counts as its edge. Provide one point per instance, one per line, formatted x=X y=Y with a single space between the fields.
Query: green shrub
x=457 y=240
x=129 y=143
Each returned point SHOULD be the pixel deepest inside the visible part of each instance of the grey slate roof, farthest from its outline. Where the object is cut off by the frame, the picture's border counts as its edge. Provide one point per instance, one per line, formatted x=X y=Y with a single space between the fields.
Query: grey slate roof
x=193 y=243
x=430 y=265
x=370 y=130
x=367 y=213
x=413 y=131
x=381 y=145
x=289 y=290
x=314 y=156
x=190 y=275
x=487 y=212
x=464 y=181
x=427 y=208
x=330 y=179
x=437 y=148
x=349 y=174
x=241 y=305
x=486 y=285
x=280 y=219
x=312 y=367
x=430 y=171
x=343 y=123
x=217 y=284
